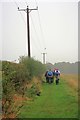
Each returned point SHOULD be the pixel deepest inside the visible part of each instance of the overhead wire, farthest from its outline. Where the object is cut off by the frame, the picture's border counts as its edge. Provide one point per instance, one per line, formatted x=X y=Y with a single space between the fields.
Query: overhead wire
x=39 y=43
x=38 y=38
x=36 y=3
x=20 y=12
x=36 y=46
x=26 y=2
x=40 y=25
x=41 y=29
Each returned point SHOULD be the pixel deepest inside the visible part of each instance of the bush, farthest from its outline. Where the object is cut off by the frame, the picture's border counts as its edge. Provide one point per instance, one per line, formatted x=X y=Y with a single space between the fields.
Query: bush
x=35 y=68
x=8 y=87
x=16 y=76
x=0 y=65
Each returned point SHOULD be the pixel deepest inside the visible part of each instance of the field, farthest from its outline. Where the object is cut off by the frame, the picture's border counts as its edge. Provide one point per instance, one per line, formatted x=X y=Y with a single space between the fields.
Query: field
x=71 y=79
x=27 y=95
x=56 y=101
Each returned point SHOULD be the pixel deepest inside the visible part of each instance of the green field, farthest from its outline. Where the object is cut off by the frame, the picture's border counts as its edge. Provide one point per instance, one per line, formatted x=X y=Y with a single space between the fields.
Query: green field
x=56 y=101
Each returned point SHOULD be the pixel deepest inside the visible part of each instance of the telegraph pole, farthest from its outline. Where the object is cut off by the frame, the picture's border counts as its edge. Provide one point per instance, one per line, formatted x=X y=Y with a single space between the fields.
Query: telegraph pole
x=27 y=10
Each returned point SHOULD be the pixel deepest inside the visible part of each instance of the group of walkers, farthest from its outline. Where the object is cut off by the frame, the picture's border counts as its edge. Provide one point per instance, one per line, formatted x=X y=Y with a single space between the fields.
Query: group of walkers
x=51 y=74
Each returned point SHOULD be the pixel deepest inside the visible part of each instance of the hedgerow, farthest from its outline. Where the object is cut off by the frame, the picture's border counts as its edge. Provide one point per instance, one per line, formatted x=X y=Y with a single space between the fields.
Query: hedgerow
x=14 y=78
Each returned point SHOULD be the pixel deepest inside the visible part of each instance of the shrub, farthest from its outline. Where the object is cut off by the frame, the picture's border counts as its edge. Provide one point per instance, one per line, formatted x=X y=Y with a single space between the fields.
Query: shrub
x=0 y=65
x=8 y=86
x=15 y=76
x=35 y=68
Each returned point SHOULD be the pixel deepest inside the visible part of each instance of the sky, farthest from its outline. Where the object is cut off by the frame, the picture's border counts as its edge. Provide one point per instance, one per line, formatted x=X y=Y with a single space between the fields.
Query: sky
x=53 y=30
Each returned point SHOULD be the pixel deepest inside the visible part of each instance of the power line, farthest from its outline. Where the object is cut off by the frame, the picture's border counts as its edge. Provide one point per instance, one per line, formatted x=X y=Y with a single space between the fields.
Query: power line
x=39 y=44
x=40 y=24
x=22 y=17
x=26 y=2
x=36 y=47
x=44 y=54
x=41 y=28
x=36 y=35
x=36 y=3
x=20 y=13
x=32 y=22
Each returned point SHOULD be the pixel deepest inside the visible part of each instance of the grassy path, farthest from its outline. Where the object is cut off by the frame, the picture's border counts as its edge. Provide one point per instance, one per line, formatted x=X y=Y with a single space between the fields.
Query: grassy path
x=55 y=102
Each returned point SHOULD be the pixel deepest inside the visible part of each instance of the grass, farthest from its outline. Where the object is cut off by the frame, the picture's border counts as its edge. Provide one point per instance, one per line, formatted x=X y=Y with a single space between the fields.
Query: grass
x=72 y=80
x=54 y=102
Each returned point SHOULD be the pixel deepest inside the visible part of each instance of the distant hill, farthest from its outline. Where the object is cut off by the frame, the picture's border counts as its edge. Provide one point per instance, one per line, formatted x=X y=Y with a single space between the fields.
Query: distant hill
x=65 y=67
x=49 y=66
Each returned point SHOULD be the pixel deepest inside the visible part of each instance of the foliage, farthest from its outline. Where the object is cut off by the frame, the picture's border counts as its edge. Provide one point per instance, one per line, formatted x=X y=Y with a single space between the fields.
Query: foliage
x=0 y=65
x=8 y=86
x=35 y=68
x=15 y=77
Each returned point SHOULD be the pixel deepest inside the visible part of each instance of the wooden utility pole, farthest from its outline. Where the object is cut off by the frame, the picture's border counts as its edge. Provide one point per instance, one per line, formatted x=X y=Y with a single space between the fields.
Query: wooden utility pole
x=27 y=10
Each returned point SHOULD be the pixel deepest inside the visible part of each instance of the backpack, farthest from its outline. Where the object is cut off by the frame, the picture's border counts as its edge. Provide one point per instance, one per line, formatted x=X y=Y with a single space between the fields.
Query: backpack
x=50 y=74
x=57 y=73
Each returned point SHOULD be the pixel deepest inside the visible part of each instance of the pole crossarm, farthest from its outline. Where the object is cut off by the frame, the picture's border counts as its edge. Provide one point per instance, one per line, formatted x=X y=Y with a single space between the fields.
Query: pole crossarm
x=33 y=9
x=22 y=9
x=29 y=10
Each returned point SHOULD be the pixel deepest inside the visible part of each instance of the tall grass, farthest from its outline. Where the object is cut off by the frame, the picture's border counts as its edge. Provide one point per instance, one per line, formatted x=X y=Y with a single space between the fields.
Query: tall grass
x=71 y=79
x=15 y=77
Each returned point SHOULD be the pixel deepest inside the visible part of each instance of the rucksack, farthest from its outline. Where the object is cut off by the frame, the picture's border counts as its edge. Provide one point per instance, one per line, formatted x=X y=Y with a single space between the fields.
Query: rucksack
x=57 y=73
x=50 y=73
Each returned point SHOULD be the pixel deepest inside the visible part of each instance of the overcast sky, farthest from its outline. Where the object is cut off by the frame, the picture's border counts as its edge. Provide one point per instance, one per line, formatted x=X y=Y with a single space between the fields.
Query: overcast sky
x=53 y=26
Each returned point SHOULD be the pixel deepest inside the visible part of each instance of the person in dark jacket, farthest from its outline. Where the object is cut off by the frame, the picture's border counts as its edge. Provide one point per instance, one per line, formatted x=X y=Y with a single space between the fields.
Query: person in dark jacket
x=49 y=75
x=47 y=80
x=57 y=75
